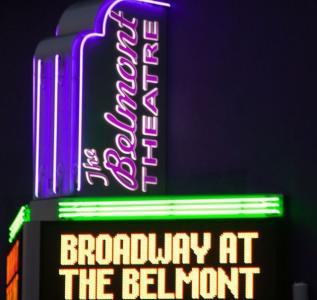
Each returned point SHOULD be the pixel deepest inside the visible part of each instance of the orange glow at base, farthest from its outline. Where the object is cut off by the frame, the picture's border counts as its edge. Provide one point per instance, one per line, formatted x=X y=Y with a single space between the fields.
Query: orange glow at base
x=12 y=292
x=12 y=280
x=13 y=261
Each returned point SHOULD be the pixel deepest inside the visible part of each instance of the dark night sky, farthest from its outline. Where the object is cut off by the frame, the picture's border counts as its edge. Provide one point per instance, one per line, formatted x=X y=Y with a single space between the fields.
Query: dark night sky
x=242 y=107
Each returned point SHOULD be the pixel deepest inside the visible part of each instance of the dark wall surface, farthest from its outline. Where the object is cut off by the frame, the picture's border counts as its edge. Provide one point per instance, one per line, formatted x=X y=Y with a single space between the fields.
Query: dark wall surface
x=242 y=107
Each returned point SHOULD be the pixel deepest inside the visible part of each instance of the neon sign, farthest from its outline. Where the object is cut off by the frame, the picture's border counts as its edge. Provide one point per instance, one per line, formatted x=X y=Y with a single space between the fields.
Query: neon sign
x=100 y=99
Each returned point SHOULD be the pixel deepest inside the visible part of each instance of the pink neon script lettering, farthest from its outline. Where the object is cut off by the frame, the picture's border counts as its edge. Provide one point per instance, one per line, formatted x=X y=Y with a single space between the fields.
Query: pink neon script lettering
x=123 y=67
x=123 y=169
x=92 y=160
x=125 y=145
x=124 y=89
x=114 y=121
x=122 y=46
x=90 y=175
x=123 y=22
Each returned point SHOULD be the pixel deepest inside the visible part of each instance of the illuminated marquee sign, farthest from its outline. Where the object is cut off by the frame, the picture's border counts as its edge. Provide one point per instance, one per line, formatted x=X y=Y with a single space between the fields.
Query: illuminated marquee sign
x=13 y=277
x=99 y=101
x=192 y=259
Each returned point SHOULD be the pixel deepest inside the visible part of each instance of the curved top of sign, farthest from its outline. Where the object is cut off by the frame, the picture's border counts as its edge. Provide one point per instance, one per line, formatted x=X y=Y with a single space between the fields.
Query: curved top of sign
x=85 y=17
x=72 y=20
x=59 y=83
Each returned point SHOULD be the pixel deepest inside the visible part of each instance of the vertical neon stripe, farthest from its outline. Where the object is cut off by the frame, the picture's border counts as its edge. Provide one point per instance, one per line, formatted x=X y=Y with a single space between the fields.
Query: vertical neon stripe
x=55 y=123
x=38 y=108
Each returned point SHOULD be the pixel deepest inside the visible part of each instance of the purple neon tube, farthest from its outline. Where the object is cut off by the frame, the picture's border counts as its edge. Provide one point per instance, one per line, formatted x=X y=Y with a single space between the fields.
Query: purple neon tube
x=56 y=64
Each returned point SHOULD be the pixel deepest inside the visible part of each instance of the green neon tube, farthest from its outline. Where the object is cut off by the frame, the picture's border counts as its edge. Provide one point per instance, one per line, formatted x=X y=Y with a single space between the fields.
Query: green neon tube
x=106 y=208
x=167 y=200
x=169 y=207
x=22 y=217
x=178 y=212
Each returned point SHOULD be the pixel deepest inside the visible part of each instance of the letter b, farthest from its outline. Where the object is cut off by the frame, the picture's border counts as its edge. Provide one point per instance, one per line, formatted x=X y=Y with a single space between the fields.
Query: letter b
x=68 y=250
x=130 y=285
x=123 y=169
